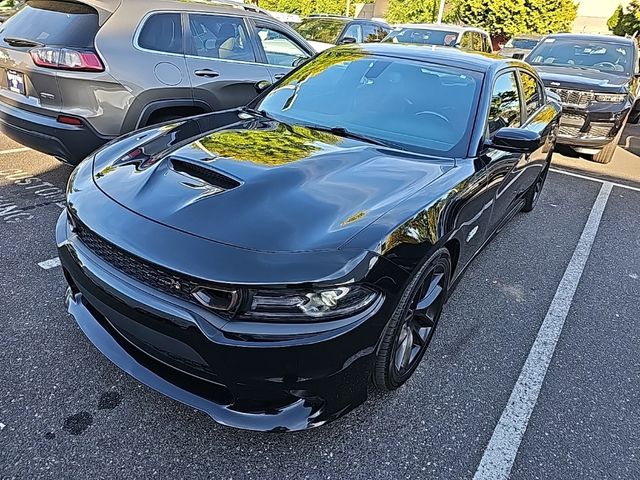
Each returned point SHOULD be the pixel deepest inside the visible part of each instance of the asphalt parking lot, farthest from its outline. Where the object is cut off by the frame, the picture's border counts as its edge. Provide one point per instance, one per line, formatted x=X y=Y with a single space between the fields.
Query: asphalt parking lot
x=560 y=284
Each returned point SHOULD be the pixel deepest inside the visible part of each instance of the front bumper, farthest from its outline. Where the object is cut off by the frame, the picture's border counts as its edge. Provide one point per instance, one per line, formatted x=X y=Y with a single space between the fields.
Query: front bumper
x=251 y=377
x=45 y=134
x=593 y=127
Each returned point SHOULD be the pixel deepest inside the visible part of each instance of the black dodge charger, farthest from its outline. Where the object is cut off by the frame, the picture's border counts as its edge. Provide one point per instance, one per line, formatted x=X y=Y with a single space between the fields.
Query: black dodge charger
x=266 y=264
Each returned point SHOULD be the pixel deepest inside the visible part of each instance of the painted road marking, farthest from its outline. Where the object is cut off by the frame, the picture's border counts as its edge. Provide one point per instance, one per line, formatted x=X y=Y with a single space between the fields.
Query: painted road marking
x=49 y=264
x=594 y=179
x=501 y=451
x=14 y=150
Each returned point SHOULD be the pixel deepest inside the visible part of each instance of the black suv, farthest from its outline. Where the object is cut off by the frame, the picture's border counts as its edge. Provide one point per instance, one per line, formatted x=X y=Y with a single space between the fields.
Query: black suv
x=596 y=78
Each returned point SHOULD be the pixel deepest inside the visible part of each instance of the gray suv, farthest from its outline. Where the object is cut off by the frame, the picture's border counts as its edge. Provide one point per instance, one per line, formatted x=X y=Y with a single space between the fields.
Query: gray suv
x=75 y=74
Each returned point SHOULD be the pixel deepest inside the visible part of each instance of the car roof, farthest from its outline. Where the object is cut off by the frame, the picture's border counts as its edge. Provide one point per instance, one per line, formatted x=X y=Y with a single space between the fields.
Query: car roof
x=442 y=26
x=592 y=37
x=107 y=7
x=344 y=19
x=479 y=62
x=527 y=36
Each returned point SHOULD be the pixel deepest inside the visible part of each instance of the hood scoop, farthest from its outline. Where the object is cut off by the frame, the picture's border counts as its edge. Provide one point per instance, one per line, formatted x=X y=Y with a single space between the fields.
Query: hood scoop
x=205 y=174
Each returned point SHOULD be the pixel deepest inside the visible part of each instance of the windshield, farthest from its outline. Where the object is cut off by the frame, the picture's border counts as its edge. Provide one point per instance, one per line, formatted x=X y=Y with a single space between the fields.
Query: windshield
x=422 y=36
x=324 y=30
x=523 y=43
x=603 y=56
x=413 y=105
x=56 y=23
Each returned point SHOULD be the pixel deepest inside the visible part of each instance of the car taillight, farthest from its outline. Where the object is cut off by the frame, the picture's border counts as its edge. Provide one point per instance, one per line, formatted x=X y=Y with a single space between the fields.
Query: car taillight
x=67 y=59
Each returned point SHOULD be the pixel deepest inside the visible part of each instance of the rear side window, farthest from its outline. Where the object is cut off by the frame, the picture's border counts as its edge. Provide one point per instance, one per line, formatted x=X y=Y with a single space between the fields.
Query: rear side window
x=219 y=36
x=505 y=104
x=531 y=92
x=63 y=24
x=162 y=32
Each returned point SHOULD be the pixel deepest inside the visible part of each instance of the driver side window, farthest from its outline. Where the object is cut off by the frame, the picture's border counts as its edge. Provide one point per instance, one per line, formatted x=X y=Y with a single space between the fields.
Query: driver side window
x=505 y=109
x=353 y=31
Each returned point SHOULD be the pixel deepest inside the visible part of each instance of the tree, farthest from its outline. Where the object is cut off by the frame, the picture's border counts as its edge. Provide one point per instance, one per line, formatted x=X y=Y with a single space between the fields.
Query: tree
x=625 y=22
x=514 y=17
x=306 y=7
x=412 y=11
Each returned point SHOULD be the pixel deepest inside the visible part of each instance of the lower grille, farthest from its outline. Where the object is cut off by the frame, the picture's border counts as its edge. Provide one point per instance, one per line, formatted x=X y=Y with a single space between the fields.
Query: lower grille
x=570 y=125
x=600 y=129
x=569 y=131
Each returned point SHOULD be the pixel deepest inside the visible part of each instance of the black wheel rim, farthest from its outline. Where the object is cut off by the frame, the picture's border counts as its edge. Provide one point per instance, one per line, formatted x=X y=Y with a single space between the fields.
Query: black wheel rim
x=537 y=189
x=416 y=330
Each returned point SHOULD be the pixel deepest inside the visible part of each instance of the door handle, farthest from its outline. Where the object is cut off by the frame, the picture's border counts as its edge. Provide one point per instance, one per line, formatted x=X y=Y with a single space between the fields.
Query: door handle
x=278 y=76
x=206 y=73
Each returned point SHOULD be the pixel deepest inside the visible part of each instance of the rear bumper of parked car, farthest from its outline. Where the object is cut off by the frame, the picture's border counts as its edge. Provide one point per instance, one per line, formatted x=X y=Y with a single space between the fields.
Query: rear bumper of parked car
x=253 y=381
x=70 y=143
x=591 y=128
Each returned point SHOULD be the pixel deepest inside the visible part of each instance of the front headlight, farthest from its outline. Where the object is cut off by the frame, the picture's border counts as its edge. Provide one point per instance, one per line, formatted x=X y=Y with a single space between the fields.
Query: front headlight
x=610 y=97
x=308 y=306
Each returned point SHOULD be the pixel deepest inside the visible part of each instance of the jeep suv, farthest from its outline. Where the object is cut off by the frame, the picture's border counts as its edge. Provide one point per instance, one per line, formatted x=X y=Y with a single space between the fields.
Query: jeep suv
x=597 y=80
x=75 y=74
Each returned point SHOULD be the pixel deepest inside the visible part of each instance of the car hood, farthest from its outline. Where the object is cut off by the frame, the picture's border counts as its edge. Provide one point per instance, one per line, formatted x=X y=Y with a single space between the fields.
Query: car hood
x=260 y=184
x=578 y=79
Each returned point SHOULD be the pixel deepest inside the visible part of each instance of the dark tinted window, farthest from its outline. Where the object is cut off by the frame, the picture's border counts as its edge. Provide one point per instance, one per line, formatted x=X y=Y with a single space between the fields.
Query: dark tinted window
x=54 y=23
x=219 y=36
x=505 y=104
x=531 y=92
x=419 y=106
x=422 y=36
x=162 y=33
x=607 y=56
x=324 y=30
x=524 y=43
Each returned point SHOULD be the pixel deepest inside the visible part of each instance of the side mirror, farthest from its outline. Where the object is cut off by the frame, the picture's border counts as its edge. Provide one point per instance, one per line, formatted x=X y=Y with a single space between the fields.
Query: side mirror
x=457 y=45
x=300 y=60
x=347 y=40
x=517 y=140
x=262 y=85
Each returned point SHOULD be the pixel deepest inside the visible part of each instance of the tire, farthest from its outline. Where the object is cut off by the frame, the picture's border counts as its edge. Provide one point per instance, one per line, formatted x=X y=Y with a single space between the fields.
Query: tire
x=532 y=196
x=413 y=323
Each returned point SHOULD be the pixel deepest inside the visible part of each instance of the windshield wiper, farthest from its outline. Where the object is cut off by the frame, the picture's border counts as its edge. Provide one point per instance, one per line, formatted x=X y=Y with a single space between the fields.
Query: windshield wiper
x=343 y=132
x=22 y=42
x=254 y=111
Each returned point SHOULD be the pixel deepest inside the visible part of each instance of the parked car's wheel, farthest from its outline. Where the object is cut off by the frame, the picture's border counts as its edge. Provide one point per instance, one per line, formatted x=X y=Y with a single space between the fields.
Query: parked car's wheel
x=412 y=326
x=532 y=196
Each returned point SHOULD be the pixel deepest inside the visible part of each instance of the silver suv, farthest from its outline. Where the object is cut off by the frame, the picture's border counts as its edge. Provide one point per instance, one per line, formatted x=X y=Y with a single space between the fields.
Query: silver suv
x=75 y=74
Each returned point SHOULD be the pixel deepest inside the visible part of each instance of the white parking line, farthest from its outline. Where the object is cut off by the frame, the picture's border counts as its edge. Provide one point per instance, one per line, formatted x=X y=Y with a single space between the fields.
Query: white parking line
x=594 y=179
x=501 y=451
x=49 y=264
x=14 y=150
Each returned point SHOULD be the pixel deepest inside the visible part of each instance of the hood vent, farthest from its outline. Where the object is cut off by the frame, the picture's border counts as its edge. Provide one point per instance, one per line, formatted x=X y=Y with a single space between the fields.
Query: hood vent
x=205 y=174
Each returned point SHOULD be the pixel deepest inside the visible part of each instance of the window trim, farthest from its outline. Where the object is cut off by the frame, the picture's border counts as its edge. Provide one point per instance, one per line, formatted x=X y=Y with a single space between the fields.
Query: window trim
x=143 y=22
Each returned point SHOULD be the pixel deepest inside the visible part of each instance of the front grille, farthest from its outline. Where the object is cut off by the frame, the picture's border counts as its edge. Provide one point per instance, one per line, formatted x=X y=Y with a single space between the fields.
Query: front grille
x=149 y=274
x=570 y=125
x=574 y=97
x=600 y=129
